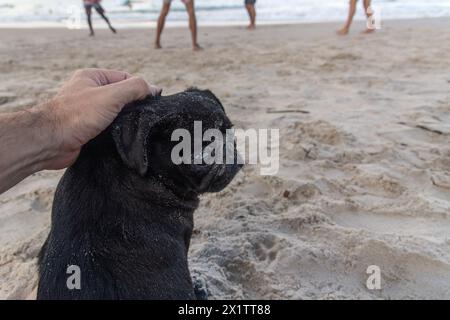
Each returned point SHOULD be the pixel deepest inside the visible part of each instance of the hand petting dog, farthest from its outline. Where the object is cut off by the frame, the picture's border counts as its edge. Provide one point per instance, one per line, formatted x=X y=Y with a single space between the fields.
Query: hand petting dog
x=50 y=136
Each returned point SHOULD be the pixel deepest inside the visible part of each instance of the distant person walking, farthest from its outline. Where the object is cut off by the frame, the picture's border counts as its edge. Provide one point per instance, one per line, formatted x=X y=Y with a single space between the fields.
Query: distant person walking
x=250 y=5
x=129 y=4
x=190 y=8
x=88 y=5
x=351 y=13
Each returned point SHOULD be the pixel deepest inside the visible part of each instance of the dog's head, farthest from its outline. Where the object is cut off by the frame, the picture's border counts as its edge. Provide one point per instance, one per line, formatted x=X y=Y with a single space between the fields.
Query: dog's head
x=144 y=131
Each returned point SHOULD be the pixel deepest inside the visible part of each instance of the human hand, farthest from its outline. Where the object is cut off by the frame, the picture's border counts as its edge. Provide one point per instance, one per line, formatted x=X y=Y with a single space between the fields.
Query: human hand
x=85 y=106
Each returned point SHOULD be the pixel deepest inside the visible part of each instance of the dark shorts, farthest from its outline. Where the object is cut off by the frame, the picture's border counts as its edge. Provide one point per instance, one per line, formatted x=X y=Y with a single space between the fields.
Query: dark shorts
x=250 y=1
x=96 y=6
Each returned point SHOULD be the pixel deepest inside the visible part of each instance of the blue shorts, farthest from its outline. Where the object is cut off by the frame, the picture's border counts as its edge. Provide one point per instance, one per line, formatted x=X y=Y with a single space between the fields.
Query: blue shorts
x=250 y=1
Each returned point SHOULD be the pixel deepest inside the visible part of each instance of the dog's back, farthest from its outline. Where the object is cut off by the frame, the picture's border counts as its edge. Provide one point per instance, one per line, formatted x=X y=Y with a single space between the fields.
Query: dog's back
x=111 y=240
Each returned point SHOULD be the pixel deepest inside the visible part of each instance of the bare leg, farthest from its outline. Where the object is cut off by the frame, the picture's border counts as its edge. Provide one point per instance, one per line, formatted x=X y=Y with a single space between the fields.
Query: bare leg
x=252 y=14
x=193 y=24
x=351 y=14
x=101 y=12
x=369 y=14
x=89 y=20
x=161 y=21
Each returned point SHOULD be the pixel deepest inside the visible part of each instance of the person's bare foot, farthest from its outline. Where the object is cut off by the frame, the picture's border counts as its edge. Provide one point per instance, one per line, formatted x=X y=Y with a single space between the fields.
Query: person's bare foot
x=157 y=45
x=91 y=34
x=197 y=47
x=113 y=30
x=368 y=31
x=251 y=27
x=343 y=31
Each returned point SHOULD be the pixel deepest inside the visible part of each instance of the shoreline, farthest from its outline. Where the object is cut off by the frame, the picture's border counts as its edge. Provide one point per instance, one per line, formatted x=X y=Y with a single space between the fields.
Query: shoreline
x=182 y=24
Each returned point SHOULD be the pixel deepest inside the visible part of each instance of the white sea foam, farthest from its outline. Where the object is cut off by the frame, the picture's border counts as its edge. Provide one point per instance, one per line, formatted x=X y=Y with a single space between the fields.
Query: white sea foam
x=56 y=12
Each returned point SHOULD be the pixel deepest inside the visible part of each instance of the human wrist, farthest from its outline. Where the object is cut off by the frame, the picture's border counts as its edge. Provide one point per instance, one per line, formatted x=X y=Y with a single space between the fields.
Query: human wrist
x=47 y=135
x=26 y=140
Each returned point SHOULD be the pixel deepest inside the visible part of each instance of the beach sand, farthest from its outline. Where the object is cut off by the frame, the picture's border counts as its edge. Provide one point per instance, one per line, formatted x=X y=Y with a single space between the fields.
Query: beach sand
x=364 y=173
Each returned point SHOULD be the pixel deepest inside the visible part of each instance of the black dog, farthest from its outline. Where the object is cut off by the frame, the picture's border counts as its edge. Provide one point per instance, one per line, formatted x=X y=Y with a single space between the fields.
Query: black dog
x=123 y=213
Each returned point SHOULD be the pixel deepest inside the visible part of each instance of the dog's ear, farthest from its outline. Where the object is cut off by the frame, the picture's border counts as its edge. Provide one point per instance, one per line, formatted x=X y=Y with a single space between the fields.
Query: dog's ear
x=208 y=94
x=130 y=132
x=213 y=97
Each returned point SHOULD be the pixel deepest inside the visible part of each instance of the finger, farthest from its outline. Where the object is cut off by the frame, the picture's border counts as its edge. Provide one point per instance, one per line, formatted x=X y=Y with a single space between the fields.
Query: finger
x=99 y=77
x=129 y=90
x=155 y=91
x=111 y=76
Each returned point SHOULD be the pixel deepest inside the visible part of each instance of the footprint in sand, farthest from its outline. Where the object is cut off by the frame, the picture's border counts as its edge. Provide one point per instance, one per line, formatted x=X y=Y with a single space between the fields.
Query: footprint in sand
x=6 y=98
x=42 y=200
x=320 y=131
x=266 y=247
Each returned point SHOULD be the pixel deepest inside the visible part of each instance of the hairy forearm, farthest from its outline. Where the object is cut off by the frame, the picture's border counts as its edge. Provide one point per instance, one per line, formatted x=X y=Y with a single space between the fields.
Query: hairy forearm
x=26 y=145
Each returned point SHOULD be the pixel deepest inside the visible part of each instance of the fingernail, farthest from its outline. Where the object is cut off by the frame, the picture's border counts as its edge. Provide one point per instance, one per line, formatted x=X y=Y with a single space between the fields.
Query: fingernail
x=155 y=91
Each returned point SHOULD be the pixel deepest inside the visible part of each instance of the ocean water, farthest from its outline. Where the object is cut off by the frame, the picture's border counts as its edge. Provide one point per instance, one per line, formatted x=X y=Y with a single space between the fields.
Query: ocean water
x=59 y=12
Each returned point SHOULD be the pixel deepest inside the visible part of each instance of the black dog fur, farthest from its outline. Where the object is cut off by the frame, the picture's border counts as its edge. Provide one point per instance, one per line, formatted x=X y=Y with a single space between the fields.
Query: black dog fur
x=123 y=212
